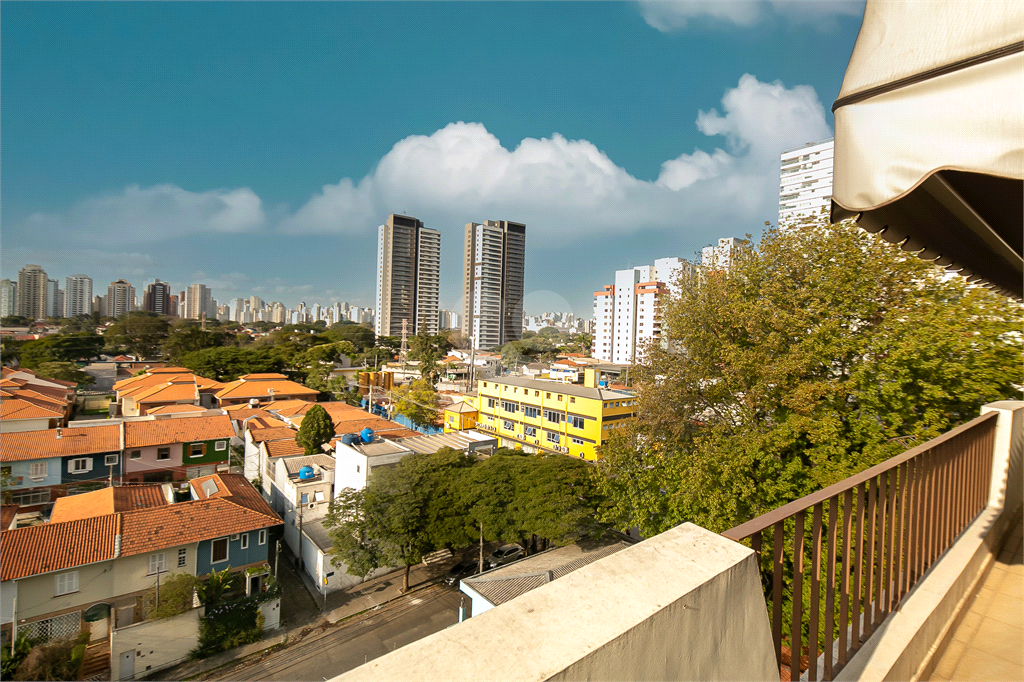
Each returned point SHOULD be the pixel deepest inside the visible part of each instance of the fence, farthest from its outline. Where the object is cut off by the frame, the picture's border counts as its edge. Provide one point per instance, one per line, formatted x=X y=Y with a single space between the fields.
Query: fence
x=881 y=530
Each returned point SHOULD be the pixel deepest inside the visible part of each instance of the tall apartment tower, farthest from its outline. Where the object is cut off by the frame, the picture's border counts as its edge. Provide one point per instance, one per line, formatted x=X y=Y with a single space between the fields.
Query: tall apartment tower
x=77 y=295
x=32 y=283
x=120 y=298
x=199 y=300
x=492 y=285
x=157 y=298
x=8 y=297
x=805 y=181
x=629 y=314
x=408 y=276
x=720 y=257
x=53 y=302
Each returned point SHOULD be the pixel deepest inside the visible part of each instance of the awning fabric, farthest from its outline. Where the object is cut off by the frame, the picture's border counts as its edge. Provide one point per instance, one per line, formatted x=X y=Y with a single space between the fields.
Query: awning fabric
x=929 y=144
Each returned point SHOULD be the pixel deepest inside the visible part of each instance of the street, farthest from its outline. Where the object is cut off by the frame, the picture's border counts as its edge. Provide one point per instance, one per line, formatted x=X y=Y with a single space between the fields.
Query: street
x=347 y=646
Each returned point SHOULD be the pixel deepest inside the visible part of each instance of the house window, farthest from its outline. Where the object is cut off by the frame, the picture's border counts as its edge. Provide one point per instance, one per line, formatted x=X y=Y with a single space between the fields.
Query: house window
x=30 y=497
x=530 y=411
x=157 y=563
x=551 y=436
x=547 y=395
x=357 y=468
x=553 y=417
x=262 y=538
x=577 y=422
x=182 y=557
x=137 y=454
x=37 y=470
x=110 y=460
x=305 y=498
x=536 y=394
x=245 y=541
x=66 y=583
x=490 y=402
x=559 y=396
x=81 y=465
x=508 y=406
x=572 y=399
x=318 y=496
x=485 y=384
x=220 y=445
x=530 y=431
x=219 y=550
x=197 y=449
x=162 y=453
x=509 y=426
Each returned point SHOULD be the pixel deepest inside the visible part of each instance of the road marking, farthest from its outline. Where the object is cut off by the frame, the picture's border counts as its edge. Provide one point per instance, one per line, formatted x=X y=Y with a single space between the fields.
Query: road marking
x=416 y=601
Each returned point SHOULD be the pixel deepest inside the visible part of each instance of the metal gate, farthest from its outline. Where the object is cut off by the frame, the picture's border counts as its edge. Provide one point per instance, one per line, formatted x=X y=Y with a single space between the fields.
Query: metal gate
x=59 y=627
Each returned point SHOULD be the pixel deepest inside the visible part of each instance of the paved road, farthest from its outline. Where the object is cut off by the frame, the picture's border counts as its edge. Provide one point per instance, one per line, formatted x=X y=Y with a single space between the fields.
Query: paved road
x=335 y=651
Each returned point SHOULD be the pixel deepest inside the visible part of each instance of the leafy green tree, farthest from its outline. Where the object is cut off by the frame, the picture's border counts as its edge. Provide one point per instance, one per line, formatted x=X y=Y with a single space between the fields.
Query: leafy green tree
x=175 y=595
x=65 y=371
x=823 y=351
x=227 y=363
x=61 y=348
x=359 y=336
x=315 y=430
x=418 y=402
x=15 y=321
x=183 y=340
x=140 y=333
x=319 y=360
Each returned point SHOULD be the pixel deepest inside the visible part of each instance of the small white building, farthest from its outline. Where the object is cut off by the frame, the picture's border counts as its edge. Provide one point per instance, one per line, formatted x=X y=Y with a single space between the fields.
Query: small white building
x=355 y=460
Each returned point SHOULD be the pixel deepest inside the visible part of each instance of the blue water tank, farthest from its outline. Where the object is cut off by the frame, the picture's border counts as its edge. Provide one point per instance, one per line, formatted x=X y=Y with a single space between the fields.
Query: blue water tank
x=306 y=473
x=366 y=435
x=603 y=384
x=349 y=438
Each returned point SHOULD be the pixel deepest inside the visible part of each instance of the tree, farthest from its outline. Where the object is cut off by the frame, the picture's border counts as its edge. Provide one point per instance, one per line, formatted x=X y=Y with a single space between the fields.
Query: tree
x=823 y=351
x=65 y=371
x=183 y=340
x=319 y=361
x=61 y=348
x=315 y=430
x=418 y=402
x=15 y=321
x=359 y=336
x=140 y=333
x=227 y=363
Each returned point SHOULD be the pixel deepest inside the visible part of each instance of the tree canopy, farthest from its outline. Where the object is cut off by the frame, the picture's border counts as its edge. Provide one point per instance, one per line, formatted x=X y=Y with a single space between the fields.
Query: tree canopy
x=315 y=430
x=823 y=351
x=418 y=402
x=140 y=333
x=228 y=363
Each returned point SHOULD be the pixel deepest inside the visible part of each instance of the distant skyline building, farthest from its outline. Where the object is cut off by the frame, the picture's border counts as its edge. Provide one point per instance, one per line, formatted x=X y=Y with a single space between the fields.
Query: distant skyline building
x=77 y=295
x=120 y=298
x=157 y=298
x=628 y=314
x=199 y=300
x=32 y=282
x=53 y=299
x=408 y=276
x=805 y=181
x=492 y=288
x=8 y=298
x=720 y=257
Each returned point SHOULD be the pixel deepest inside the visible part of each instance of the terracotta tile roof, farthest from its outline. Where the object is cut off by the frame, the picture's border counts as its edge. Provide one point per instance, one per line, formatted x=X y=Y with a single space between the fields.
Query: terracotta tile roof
x=39 y=399
x=262 y=423
x=379 y=426
x=67 y=384
x=122 y=358
x=7 y=514
x=275 y=433
x=286 y=408
x=56 y=393
x=262 y=388
x=107 y=501
x=142 y=434
x=14 y=408
x=57 y=546
x=266 y=376
x=26 y=445
x=166 y=392
x=244 y=412
x=284 y=448
x=170 y=370
x=204 y=384
x=174 y=409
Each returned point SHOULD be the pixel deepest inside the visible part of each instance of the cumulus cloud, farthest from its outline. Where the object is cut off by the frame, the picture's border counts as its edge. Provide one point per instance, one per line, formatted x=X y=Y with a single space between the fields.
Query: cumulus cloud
x=141 y=214
x=674 y=15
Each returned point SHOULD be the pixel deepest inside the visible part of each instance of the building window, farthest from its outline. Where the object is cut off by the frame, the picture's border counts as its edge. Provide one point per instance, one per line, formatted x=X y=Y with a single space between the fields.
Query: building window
x=509 y=426
x=551 y=436
x=66 y=583
x=577 y=422
x=530 y=431
x=559 y=396
x=182 y=557
x=262 y=537
x=219 y=550
x=157 y=563
x=509 y=406
x=553 y=417
x=30 y=497
x=577 y=441
x=197 y=449
x=110 y=460
x=244 y=541
x=37 y=470
x=572 y=399
x=547 y=395
x=137 y=454
x=485 y=384
x=80 y=466
x=305 y=498
x=357 y=468
x=490 y=402
x=530 y=411
x=163 y=453
x=536 y=394
x=220 y=445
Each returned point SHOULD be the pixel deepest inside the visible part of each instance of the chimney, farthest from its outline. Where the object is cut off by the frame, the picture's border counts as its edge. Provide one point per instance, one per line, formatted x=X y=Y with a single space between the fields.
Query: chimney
x=60 y=433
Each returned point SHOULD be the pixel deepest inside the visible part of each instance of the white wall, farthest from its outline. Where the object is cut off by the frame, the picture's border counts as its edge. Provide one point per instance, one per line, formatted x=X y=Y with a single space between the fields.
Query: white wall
x=346 y=461
x=157 y=644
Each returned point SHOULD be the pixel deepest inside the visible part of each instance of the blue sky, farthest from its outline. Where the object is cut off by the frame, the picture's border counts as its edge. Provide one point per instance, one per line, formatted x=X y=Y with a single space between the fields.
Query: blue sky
x=255 y=147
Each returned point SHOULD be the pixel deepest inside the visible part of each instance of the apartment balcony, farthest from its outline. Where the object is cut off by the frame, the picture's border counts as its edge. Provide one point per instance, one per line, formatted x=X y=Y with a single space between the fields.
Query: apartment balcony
x=909 y=570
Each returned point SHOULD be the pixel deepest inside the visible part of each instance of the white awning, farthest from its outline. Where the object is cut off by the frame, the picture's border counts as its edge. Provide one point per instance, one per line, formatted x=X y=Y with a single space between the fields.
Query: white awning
x=929 y=144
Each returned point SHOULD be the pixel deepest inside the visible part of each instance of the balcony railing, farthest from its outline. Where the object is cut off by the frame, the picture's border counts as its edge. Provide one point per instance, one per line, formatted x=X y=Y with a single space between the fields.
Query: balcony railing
x=880 y=530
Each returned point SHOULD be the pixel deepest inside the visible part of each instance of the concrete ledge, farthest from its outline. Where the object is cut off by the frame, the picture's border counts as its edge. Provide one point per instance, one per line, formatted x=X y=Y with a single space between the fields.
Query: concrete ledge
x=684 y=605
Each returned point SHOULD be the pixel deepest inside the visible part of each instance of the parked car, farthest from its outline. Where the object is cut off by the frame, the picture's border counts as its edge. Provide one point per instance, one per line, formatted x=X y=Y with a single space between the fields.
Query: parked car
x=461 y=570
x=505 y=555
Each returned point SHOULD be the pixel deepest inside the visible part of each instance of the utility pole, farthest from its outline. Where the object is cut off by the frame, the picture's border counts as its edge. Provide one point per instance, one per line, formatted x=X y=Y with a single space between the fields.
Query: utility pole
x=277 y=556
x=404 y=351
x=481 y=547
x=299 y=558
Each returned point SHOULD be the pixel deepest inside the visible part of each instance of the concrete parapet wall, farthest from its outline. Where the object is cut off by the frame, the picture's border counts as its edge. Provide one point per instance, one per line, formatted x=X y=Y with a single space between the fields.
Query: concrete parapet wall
x=153 y=645
x=684 y=605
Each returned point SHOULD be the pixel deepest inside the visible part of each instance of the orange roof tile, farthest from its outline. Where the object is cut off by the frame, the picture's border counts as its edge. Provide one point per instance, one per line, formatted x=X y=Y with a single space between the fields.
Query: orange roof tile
x=263 y=388
x=107 y=501
x=26 y=445
x=284 y=448
x=142 y=434
x=381 y=427
x=7 y=514
x=263 y=377
x=57 y=546
x=170 y=370
x=174 y=409
x=286 y=408
x=245 y=412
x=166 y=392
x=14 y=408
x=275 y=433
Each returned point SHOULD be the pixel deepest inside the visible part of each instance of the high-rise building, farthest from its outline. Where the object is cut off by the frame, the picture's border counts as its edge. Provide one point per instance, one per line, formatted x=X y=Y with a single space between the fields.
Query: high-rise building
x=157 y=298
x=408 y=276
x=199 y=300
x=120 y=298
x=32 y=282
x=805 y=181
x=172 y=305
x=77 y=295
x=492 y=285
x=720 y=257
x=8 y=297
x=629 y=314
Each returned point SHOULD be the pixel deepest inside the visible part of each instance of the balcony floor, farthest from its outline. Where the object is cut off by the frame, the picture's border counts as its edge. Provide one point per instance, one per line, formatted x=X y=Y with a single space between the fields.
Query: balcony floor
x=989 y=642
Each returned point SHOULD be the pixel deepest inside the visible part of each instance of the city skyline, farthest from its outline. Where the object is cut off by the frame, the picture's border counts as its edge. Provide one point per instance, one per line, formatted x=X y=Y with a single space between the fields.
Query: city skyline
x=256 y=148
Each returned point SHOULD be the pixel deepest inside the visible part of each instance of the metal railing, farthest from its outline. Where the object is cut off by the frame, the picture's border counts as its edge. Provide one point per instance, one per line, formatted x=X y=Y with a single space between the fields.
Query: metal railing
x=881 y=530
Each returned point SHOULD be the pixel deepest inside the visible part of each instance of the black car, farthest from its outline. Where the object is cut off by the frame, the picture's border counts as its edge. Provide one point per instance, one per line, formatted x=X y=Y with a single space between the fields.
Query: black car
x=461 y=570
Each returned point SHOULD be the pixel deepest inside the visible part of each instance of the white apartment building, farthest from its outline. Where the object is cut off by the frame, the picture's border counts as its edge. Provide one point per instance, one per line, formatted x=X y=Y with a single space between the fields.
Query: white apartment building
x=492 y=290
x=199 y=300
x=805 y=181
x=628 y=314
x=8 y=297
x=120 y=298
x=720 y=257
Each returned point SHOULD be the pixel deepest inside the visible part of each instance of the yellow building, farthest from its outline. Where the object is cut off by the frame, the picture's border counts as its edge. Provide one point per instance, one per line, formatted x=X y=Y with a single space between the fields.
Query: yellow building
x=459 y=417
x=572 y=419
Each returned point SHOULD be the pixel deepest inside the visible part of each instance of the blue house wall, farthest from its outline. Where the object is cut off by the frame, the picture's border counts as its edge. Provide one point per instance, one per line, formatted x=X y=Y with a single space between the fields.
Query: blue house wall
x=21 y=471
x=99 y=468
x=236 y=555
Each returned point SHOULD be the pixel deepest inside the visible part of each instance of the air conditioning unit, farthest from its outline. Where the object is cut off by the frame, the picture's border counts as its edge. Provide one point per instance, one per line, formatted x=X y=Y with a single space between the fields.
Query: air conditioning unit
x=235 y=536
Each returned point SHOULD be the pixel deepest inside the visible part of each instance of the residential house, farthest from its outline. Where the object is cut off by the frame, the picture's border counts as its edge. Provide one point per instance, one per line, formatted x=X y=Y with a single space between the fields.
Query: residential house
x=108 y=548
x=48 y=464
x=258 y=451
x=302 y=490
x=460 y=416
x=31 y=403
x=176 y=448
x=164 y=386
x=263 y=387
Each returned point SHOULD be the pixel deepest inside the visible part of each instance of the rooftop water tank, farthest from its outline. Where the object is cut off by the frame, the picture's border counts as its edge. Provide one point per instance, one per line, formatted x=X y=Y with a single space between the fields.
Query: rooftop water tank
x=306 y=473
x=603 y=384
x=366 y=435
x=349 y=438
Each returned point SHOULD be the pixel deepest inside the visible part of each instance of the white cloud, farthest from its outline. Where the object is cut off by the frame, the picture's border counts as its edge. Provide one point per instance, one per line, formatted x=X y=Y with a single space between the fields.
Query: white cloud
x=674 y=15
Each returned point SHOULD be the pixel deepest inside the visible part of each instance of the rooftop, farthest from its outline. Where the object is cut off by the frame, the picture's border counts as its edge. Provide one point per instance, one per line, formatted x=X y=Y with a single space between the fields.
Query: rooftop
x=107 y=501
x=139 y=434
x=26 y=445
x=558 y=387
